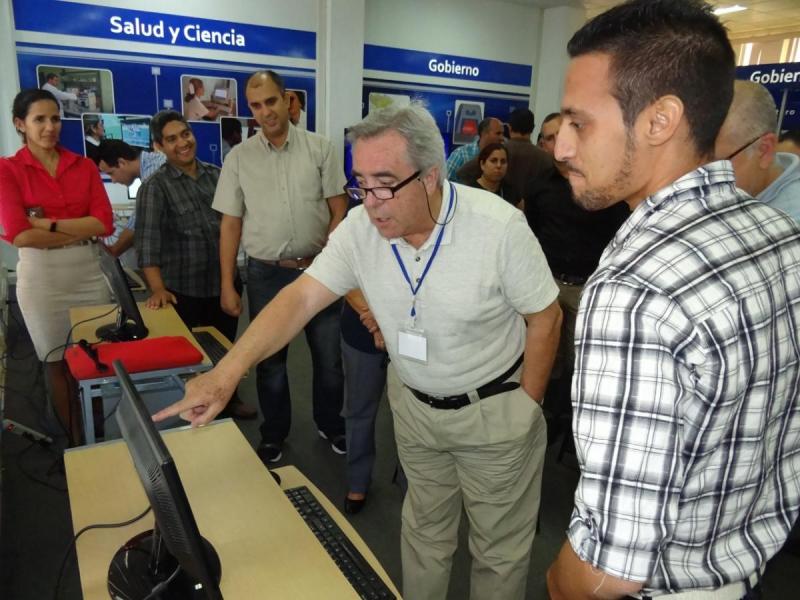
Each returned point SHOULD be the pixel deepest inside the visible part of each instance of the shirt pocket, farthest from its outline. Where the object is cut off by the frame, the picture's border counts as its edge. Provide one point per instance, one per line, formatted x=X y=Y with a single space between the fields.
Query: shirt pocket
x=190 y=220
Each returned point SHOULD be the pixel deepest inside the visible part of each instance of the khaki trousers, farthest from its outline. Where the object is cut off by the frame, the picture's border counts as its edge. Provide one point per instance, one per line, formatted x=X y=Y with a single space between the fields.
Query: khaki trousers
x=486 y=457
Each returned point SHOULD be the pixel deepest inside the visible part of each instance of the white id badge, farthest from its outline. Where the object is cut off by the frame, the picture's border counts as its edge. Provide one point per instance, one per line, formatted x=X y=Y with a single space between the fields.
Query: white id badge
x=413 y=344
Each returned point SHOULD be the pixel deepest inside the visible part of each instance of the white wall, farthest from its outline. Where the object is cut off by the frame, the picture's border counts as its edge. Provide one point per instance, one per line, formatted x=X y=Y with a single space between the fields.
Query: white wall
x=558 y=25
x=476 y=28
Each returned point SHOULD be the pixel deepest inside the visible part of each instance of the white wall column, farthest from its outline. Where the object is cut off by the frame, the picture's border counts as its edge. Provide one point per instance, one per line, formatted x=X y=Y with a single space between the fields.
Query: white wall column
x=9 y=75
x=340 y=70
x=558 y=25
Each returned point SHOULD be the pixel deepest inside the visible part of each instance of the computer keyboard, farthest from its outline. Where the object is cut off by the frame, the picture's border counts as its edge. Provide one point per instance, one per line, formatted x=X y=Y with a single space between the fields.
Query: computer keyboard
x=212 y=346
x=351 y=563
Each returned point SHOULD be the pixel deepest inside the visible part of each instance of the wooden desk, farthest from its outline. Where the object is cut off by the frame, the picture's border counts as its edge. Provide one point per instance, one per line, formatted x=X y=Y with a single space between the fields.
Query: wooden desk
x=161 y=322
x=266 y=549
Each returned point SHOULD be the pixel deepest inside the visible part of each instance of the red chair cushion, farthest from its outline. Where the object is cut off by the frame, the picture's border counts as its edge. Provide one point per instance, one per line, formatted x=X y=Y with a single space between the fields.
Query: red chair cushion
x=151 y=354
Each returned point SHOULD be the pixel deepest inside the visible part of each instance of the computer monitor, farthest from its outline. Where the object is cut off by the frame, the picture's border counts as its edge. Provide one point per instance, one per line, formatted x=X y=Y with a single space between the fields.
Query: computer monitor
x=174 y=547
x=220 y=94
x=129 y=324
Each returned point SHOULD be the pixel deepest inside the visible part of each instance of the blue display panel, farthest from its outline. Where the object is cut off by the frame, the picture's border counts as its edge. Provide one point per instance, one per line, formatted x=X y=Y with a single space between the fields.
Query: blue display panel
x=144 y=84
x=778 y=79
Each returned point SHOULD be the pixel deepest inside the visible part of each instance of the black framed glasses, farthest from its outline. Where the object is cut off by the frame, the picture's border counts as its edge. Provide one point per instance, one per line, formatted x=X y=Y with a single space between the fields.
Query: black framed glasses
x=748 y=144
x=381 y=192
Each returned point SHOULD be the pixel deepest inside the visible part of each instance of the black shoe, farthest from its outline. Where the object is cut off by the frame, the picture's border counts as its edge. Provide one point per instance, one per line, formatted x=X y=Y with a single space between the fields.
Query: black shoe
x=353 y=507
x=269 y=453
x=338 y=442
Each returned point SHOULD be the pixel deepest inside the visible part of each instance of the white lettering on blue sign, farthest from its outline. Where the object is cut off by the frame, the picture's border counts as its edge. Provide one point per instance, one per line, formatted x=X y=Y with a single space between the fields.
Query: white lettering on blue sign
x=191 y=32
x=451 y=67
x=773 y=76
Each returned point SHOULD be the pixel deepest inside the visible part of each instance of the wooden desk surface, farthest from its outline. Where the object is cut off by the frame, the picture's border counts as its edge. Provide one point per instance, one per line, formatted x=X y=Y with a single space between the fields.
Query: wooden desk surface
x=161 y=322
x=265 y=548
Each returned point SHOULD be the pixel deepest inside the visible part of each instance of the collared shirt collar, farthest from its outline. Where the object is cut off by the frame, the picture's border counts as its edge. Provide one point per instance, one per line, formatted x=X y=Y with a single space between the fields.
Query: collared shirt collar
x=290 y=133
x=176 y=173
x=65 y=158
x=440 y=220
x=713 y=173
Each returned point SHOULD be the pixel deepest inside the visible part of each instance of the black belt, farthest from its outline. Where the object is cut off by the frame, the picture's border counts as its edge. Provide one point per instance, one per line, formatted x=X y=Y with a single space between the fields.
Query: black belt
x=494 y=387
x=570 y=279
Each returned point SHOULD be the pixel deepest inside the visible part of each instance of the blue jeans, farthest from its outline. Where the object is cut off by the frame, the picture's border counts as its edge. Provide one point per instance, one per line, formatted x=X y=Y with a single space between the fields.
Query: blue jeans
x=272 y=383
x=365 y=378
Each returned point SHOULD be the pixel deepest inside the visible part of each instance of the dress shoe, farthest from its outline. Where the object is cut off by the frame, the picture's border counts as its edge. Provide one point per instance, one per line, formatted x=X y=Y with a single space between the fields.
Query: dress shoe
x=353 y=507
x=239 y=410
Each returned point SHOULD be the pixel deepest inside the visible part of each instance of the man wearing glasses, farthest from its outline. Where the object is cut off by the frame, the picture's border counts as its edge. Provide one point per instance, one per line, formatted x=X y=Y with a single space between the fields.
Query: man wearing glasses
x=749 y=141
x=452 y=274
x=280 y=196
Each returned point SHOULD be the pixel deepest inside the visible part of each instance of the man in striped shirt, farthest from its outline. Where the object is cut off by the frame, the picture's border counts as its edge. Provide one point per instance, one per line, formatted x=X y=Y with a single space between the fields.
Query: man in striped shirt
x=687 y=373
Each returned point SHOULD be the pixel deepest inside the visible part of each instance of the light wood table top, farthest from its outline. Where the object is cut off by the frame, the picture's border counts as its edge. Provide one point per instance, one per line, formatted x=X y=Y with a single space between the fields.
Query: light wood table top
x=266 y=549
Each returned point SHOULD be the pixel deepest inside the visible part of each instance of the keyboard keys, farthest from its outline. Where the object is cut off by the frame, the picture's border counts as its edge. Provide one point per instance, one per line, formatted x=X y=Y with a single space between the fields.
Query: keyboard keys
x=351 y=563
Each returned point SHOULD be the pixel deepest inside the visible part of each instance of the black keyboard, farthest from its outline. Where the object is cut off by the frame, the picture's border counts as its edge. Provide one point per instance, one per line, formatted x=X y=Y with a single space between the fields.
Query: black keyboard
x=351 y=563
x=212 y=346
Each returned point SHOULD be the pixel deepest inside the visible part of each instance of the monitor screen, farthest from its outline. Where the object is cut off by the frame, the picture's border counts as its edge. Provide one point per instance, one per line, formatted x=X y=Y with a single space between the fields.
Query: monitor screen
x=184 y=553
x=129 y=324
x=220 y=94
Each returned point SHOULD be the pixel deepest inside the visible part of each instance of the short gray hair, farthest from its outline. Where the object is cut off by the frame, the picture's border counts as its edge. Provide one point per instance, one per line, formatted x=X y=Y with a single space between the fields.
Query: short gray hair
x=752 y=113
x=424 y=143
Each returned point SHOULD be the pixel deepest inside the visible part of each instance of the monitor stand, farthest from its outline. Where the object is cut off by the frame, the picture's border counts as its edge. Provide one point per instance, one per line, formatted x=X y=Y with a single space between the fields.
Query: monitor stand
x=122 y=330
x=133 y=573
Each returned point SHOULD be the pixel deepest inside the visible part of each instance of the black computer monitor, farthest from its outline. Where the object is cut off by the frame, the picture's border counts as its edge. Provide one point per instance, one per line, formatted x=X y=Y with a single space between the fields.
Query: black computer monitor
x=175 y=544
x=129 y=324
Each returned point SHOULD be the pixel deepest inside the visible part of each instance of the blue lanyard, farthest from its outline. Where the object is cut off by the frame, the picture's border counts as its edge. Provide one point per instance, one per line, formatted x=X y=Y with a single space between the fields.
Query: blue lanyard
x=414 y=290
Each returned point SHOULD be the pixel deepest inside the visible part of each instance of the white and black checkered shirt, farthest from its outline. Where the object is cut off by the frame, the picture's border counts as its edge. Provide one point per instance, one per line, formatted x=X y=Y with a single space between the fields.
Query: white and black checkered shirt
x=687 y=389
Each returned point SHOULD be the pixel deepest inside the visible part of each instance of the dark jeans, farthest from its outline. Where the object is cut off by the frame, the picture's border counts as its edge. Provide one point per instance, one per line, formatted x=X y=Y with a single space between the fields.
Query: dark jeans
x=322 y=333
x=365 y=379
x=196 y=312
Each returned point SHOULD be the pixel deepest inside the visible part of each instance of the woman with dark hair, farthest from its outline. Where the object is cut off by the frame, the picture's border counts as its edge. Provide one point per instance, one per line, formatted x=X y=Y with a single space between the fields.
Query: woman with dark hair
x=493 y=161
x=94 y=132
x=52 y=206
x=193 y=107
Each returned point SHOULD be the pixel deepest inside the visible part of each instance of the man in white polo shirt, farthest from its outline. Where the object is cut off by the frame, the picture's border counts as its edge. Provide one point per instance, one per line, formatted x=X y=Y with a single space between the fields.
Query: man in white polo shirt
x=280 y=194
x=451 y=274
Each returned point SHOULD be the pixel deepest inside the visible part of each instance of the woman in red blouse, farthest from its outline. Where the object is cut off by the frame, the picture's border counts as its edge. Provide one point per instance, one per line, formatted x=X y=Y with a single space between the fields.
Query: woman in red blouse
x=52 y=205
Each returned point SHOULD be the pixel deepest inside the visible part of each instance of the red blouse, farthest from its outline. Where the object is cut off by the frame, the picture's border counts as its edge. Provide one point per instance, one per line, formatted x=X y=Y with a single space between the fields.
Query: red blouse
x=76 y=191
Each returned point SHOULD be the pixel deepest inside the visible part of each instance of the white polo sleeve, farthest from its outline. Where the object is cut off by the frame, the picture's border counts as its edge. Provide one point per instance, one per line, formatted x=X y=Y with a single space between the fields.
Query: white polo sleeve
x=334 y=267
x=526 y=278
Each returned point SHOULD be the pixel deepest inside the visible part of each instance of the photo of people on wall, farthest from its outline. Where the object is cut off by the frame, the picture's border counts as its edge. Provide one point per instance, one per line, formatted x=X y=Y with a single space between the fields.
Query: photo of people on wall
x=77 y=89
x=208 y=98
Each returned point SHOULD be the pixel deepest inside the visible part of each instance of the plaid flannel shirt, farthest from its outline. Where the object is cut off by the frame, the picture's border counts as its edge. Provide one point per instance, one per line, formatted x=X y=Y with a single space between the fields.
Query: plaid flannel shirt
x=686 y=389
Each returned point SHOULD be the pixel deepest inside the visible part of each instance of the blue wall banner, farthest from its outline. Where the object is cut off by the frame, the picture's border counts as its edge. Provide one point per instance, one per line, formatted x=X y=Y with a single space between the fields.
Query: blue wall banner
x=775 y=76
x=414 y=62
x=91 y=20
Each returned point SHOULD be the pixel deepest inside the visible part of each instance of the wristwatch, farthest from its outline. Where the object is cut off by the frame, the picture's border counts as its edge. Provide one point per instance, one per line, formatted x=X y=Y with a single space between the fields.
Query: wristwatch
x=53 y=224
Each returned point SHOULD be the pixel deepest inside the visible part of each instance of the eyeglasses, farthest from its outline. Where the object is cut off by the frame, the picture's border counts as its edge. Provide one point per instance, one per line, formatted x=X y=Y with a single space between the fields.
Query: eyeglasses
x=755 y=139
x=381 y=192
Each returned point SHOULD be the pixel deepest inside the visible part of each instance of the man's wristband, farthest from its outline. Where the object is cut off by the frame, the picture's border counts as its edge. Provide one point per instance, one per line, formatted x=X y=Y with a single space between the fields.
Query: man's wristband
x=53 y=225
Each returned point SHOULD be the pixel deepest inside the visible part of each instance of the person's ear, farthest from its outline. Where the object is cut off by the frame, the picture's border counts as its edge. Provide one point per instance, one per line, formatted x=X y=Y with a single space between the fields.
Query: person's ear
x=431 y=180
x=19 y=125
x=766 y=148
x=661 y=119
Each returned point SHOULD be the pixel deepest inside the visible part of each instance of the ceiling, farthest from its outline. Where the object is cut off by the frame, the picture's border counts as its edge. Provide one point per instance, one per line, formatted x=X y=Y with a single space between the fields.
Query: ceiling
x=764 y=18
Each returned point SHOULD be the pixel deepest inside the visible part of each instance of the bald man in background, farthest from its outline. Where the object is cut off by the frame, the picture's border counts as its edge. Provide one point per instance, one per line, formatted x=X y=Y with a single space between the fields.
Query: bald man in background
x=749 y=141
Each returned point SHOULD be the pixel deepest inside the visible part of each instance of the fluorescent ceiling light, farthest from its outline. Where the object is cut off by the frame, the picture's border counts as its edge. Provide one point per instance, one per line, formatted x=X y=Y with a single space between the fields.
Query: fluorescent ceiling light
x=725 y=10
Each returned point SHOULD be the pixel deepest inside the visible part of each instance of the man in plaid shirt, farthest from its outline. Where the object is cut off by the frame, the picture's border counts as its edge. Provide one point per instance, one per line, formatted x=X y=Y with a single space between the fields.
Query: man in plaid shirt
x=687 y=373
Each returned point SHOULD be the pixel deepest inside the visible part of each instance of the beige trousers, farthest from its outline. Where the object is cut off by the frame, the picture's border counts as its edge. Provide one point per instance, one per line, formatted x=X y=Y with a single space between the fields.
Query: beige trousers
x=486 y=457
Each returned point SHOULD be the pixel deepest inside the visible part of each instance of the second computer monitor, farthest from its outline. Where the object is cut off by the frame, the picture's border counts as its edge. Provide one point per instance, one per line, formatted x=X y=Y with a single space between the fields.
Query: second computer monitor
x=129 y=324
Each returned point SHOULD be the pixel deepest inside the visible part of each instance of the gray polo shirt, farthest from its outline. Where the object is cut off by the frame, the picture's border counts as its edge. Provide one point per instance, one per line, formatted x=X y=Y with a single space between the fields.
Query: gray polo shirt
x=280 y=193
x=488 y=272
